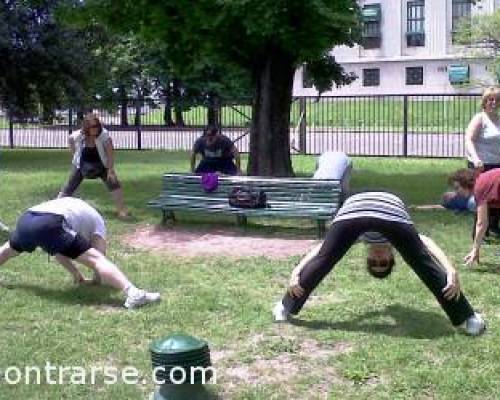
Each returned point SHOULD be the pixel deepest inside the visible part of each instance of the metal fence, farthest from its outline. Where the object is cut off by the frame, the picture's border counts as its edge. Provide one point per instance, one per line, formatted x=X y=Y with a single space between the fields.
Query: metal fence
x=385 y=125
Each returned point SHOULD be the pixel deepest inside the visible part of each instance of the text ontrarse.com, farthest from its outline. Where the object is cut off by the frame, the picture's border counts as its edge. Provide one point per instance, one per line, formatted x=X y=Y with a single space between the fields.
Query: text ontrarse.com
x=51 y=374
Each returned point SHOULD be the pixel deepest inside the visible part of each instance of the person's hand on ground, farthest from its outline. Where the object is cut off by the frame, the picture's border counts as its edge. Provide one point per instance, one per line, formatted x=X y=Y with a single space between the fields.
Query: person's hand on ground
x=96 y=279
x=123 y=214
x=472 y=257
x=452 y=289
x=81 y=280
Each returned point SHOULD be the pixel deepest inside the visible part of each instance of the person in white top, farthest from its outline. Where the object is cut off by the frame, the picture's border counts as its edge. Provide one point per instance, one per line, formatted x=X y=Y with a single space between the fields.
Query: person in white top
x=334 y=165
x=482 y=140
x=93 y=157
x=70 y=229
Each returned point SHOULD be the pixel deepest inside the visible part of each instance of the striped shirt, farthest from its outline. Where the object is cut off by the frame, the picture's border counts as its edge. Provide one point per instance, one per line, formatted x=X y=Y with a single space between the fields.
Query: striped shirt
x=382 y=205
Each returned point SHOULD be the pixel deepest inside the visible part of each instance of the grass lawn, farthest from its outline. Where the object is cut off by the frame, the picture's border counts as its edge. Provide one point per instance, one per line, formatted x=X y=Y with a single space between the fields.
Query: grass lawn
x=358 y=337
x=424 y=114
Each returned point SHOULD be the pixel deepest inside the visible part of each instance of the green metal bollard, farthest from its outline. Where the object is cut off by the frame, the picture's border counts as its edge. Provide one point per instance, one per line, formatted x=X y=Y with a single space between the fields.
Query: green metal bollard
x=179 y=358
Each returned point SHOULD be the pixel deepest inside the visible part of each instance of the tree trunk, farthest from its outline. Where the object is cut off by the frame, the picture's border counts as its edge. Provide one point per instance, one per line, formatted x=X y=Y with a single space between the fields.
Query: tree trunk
x=123 y=106
x=270 y=127
x=79 y=115
x=167 y=112
x=179 y=119
x=214 y=111
x=47 y=115
x=178 y=106
x=138 y=108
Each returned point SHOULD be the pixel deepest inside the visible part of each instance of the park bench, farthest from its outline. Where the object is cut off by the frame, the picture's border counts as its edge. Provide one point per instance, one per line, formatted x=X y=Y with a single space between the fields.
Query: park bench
x=317 y=200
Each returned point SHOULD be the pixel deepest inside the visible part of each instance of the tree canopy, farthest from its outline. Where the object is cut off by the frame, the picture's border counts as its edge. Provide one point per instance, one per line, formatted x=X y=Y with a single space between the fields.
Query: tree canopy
x=268 y=39
x=481 y=36
x=41 y=62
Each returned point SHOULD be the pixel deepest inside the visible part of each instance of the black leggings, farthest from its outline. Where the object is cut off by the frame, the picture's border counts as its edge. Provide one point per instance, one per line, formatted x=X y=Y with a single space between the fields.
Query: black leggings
x=76 y=177
x=343 y=234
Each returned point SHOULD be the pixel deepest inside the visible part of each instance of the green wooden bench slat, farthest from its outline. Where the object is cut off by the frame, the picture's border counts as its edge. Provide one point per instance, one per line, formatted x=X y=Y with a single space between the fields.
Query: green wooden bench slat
x=287 y=197
x=273 y=207
x=200 y=200
x=251 y=212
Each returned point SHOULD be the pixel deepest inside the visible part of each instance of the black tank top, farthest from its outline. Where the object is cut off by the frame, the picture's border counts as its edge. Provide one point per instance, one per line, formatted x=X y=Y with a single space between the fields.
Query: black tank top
x=91 y=155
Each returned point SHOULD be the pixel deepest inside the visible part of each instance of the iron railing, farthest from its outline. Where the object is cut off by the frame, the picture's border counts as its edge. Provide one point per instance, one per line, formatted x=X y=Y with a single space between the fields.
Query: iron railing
x=378 y=125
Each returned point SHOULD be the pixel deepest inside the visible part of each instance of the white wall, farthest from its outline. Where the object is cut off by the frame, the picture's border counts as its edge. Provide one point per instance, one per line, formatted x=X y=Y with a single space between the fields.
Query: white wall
x=394 y=56
x=393 y=79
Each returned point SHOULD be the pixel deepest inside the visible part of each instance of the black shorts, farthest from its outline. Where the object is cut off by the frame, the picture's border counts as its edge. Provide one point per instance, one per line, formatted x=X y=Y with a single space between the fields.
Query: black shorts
x=48 y=231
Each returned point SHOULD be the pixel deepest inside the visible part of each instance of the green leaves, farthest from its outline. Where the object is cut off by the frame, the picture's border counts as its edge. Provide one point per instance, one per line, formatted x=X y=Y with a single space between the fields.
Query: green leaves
x=235 y=32
x=481 y=37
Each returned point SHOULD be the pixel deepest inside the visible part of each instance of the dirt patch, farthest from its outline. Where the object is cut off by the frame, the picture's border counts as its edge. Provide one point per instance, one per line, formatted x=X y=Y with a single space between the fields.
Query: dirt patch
x=215 y=241
x=278 y=360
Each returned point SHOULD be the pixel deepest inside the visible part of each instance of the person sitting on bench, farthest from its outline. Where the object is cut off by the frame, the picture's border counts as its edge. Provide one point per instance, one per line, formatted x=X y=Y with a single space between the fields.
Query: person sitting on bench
x=217 y=152
x=384 y=222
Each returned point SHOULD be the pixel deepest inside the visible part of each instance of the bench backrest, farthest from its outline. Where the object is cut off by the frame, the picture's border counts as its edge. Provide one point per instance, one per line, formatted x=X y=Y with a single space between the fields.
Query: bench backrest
x=299 y=190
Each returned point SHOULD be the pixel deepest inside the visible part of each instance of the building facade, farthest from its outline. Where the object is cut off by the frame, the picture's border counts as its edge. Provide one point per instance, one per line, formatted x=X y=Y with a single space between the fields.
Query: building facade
x=408 y=48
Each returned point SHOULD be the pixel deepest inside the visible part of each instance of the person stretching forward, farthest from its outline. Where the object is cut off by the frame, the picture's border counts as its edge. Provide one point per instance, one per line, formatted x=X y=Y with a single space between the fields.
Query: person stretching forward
x=382 y=220
x=70 y=229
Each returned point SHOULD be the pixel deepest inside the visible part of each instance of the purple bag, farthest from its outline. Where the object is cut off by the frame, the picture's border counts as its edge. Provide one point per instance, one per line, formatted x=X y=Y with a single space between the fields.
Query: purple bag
x=209 y=181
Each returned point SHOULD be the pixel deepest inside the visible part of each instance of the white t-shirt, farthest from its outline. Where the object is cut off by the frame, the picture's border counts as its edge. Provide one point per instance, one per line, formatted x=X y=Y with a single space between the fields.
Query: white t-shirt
x=80 y=217
x=332 y=165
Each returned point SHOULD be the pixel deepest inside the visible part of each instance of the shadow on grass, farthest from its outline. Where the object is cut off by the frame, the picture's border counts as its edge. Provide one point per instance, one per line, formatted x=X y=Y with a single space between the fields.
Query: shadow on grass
x=486 y=268
x=88 y=296
x=409 y=322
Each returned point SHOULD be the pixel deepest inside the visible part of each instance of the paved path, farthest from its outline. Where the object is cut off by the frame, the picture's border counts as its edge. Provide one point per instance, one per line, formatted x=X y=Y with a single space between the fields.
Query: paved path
x=318 y=141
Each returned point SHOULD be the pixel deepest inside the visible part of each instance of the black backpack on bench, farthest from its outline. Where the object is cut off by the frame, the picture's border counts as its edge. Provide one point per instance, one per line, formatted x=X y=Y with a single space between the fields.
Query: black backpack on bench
x=246 y=198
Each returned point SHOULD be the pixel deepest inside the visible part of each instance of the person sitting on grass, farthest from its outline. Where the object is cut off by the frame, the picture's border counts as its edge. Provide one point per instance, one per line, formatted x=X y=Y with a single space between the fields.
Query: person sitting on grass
x=381 y=219
x=70 y=229
x=455 y=202
x=485 y=188
x=93 y=157
x=217 y=152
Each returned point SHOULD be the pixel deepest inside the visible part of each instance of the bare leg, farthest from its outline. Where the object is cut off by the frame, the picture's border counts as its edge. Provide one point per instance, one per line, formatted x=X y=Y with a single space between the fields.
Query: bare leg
x=6 y=253
x=109 y=273
x=71 y=268
x=117 y=196
x=99 y=244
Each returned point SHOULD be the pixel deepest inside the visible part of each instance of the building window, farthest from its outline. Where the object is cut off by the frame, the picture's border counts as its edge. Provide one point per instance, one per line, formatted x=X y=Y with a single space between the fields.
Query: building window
x=372 y=16
x=307 y=82
x=415 y=75
x=415 y=23
x=460 y=12
x=371 y=77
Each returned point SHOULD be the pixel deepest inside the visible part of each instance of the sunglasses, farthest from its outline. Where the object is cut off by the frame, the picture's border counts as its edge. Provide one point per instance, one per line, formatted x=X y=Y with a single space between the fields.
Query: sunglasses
x=94 y=126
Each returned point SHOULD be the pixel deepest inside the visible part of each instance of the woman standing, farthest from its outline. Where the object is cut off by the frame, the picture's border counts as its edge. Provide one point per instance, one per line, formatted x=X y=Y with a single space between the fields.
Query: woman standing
x=93 y=157
x=482 y=140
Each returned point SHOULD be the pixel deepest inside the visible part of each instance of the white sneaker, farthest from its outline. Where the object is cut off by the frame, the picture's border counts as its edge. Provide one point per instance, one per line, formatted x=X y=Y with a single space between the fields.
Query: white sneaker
x=474 y=325
x=280 y=314
x=141 y=298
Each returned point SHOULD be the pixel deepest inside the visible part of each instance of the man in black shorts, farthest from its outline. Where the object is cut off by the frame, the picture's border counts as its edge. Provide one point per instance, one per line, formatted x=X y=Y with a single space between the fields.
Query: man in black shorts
x=70 y=229
x=381 y=219
x=217 y=152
